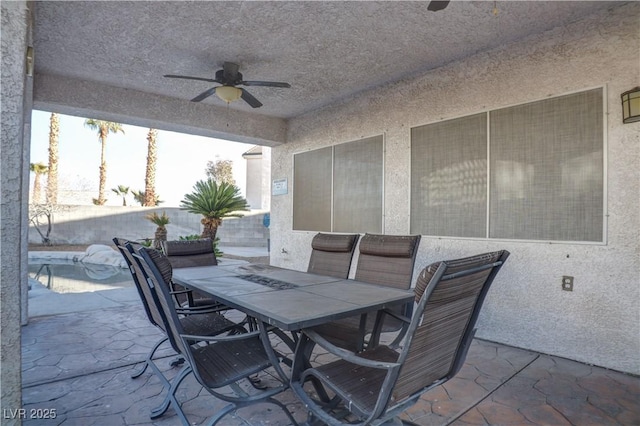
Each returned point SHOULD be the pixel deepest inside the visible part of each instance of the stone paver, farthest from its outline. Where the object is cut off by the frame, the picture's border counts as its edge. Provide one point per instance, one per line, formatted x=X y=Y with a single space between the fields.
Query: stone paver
x=79 y=365
x=556 y=391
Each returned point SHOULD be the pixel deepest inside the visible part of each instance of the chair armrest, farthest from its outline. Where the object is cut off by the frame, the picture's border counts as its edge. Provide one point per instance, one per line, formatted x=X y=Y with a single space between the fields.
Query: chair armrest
x=397 y=316
x=347 y=355
x=220 y=338
x=195 y=310
x=377 y=327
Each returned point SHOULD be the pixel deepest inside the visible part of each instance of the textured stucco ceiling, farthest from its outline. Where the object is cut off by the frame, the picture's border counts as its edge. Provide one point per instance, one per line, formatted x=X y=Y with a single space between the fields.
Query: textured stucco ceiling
x=327 y=51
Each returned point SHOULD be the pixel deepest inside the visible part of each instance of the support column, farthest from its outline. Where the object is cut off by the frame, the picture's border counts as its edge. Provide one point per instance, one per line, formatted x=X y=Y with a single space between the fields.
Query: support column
x=14 y=183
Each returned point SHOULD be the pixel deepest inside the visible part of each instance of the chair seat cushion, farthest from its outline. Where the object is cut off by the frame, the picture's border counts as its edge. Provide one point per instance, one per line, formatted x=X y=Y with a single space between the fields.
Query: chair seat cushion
x=222 y=363
x=362 y=384
x=205 y=324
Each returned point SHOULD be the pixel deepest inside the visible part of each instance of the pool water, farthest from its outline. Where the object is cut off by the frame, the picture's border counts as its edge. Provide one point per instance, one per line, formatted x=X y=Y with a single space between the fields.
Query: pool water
x=77 y=277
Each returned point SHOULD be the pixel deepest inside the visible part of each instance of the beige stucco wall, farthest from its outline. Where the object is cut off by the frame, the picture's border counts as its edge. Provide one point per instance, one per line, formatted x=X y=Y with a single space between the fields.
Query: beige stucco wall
x=599 y=322
x=16 y=99
x=254 y=181
x=90 y=99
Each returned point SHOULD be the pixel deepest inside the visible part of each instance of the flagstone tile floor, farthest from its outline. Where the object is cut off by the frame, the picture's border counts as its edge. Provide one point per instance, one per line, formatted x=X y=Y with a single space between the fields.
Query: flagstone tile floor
x=79 y=364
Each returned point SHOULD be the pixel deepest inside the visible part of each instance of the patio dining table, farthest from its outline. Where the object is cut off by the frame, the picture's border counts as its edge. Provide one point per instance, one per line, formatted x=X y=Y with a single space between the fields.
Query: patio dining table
x=288 y=299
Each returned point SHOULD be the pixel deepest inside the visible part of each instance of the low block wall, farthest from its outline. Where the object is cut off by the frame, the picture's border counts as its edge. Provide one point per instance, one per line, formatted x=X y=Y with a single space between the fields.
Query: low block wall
x=99 y=224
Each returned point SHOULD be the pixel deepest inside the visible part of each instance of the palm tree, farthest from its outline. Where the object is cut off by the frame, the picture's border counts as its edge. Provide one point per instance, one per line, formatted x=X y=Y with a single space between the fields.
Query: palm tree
x=138 y=196
x=39 y=169
x=161 y=232
x=150 y=175
x=103 y=128
x=52 y=179
x=214 y=202
x=122 y=191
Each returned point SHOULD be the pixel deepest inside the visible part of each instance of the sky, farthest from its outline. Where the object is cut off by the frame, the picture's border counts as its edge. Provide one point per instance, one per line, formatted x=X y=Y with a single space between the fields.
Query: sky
x=182 y=159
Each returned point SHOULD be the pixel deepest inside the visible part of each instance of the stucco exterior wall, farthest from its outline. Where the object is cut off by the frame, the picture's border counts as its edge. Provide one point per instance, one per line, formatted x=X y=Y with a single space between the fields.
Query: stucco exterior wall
x=91 y=99
x=597 y=323
x=14 y=181
x=254 y=181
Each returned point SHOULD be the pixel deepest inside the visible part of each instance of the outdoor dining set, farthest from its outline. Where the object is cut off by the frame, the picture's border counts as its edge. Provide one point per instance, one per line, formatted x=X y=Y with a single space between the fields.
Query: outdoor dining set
x=388 y=338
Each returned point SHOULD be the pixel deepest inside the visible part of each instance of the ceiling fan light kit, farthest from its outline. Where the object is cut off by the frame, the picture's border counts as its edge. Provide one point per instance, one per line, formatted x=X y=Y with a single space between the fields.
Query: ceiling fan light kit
x=228 y=93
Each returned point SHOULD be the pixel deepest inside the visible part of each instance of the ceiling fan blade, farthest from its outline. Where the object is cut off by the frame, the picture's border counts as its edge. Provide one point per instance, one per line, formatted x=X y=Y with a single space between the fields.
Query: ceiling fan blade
x=230 y=71
x=204 y=95
x=186 y=77
x=265 y=83
x=435 y=6
x=250 y=99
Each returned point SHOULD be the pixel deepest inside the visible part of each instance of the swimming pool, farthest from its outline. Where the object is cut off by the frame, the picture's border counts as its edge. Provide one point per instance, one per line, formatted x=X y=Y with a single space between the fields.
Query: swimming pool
x=65 y=276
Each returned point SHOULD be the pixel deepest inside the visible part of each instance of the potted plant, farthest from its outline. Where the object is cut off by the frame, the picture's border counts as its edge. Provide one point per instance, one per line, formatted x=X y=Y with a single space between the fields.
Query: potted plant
x=214 y=202
x=161 y=232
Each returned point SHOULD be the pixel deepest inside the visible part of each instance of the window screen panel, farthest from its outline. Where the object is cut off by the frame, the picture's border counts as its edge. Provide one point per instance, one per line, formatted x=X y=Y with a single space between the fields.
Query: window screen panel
x=449 y=178
x=547 y=169
x=312 y=190
x=358 y=186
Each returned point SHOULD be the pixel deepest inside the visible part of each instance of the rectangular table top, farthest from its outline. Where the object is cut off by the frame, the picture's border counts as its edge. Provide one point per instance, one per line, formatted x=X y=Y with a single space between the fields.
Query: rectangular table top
x=285 y=298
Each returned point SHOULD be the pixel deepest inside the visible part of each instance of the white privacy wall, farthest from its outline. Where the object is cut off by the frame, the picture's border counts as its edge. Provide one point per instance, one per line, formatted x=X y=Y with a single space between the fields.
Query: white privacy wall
x=597 y=323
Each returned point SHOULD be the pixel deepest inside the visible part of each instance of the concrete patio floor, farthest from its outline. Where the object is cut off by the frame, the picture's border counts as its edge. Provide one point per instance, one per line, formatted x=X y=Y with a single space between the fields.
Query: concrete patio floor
x=77 y=363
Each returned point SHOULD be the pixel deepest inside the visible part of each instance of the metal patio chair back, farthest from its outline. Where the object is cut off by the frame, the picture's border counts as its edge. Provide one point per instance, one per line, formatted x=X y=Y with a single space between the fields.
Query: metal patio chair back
x=383 y=260
x=219 y=363
x=380 y=383
x=138 y=279
x=189 y=253
x=387 y=259
x=331 y=254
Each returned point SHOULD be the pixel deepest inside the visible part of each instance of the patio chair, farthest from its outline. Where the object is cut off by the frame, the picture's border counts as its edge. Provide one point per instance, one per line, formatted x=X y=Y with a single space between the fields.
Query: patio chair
x=331 y=254
x=202 y=321
x=219 y=364
x=384 y=260
x=380 y=383
x=187 y=254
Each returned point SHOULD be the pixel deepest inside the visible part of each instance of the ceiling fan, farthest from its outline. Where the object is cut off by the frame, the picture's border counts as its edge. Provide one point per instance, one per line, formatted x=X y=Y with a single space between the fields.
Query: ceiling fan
x=229 y=78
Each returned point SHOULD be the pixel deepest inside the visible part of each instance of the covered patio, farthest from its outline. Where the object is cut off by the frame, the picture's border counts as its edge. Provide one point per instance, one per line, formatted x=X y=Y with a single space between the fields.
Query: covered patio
x=379 y=73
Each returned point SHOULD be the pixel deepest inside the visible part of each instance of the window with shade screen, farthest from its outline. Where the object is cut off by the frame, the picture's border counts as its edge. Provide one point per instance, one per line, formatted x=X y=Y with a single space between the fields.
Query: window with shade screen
x=449 y=178
x=531 y=172
x=340 y=188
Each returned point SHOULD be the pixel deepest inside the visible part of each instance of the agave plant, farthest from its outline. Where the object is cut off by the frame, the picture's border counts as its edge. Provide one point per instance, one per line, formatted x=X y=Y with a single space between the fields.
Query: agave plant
x=161 y=232
x=214 y=202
